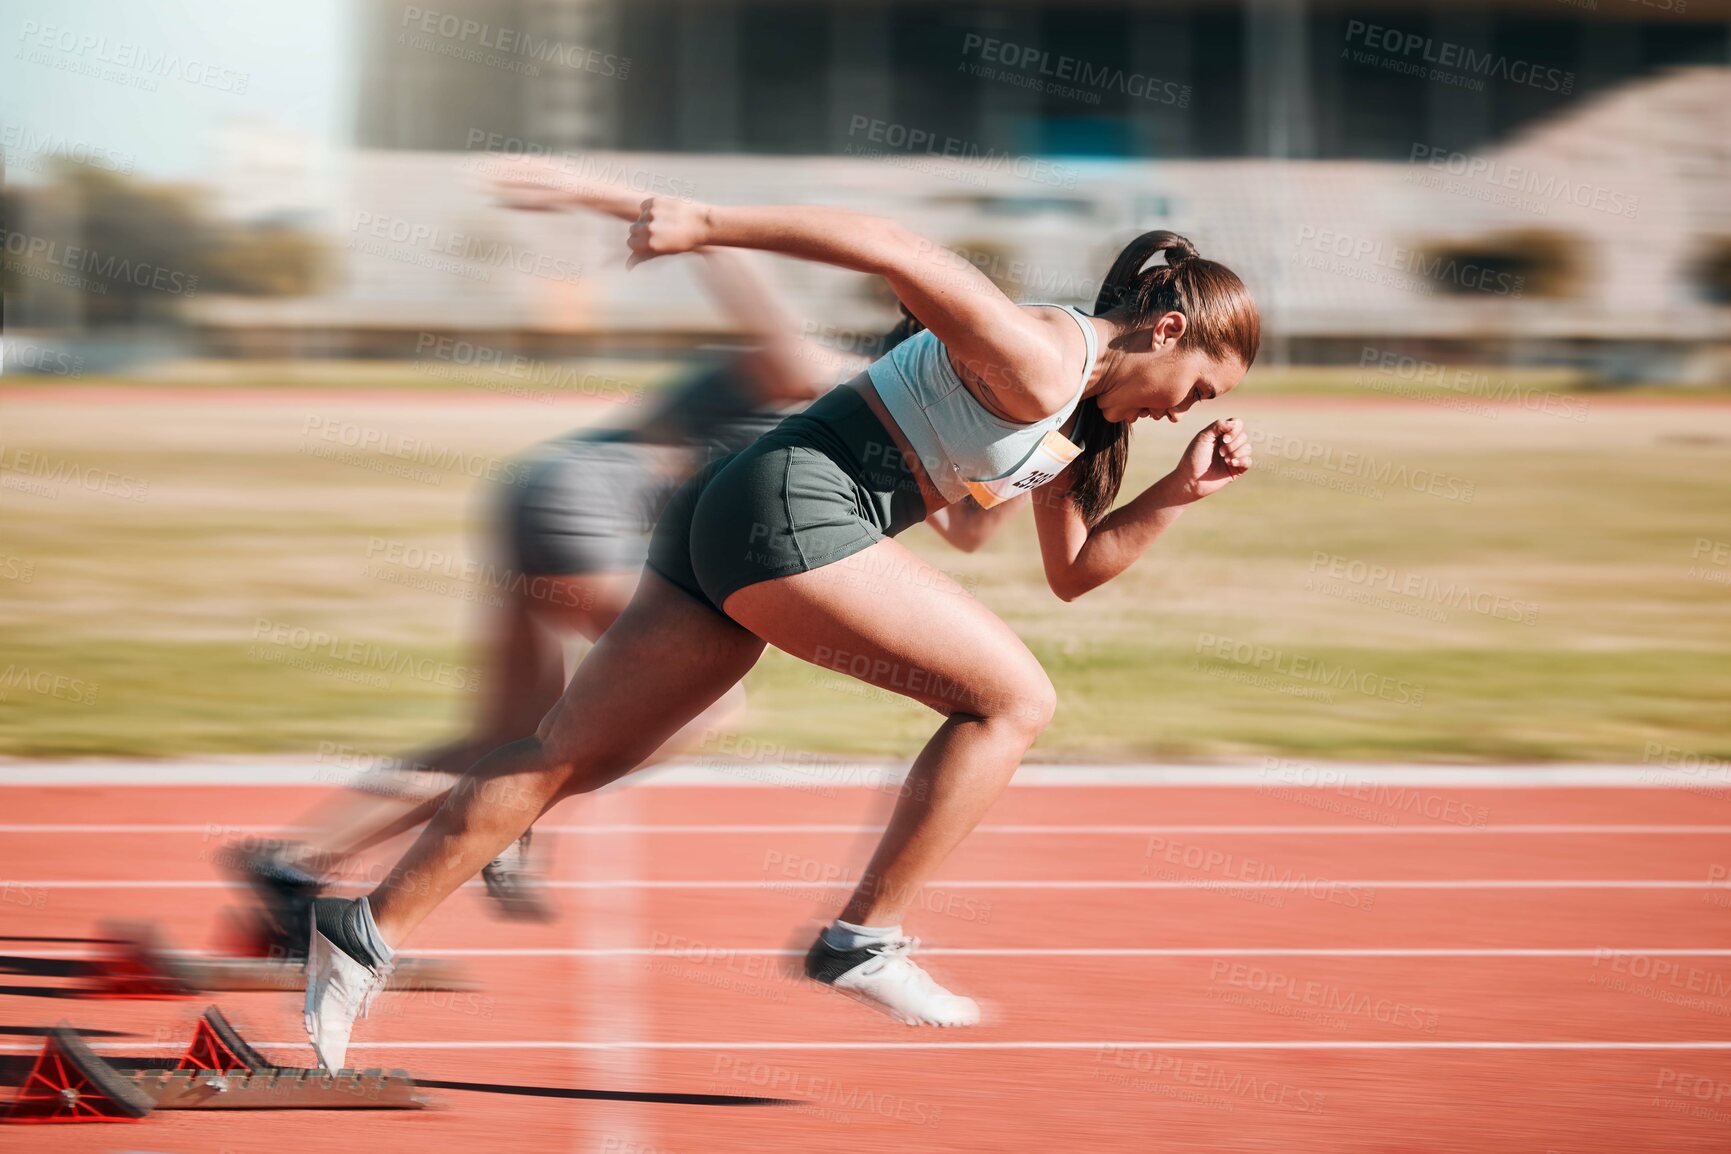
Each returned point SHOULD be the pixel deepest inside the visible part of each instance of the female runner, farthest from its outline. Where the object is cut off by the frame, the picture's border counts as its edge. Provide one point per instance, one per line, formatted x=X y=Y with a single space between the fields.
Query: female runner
x=790 y=542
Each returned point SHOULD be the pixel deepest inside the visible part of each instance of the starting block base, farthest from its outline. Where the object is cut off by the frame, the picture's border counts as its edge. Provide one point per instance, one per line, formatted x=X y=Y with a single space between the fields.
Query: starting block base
x=220 y=1071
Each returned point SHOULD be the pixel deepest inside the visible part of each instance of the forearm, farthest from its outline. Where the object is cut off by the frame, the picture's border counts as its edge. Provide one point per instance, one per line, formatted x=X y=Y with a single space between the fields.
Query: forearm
x=1124 y=534
x=837 y=236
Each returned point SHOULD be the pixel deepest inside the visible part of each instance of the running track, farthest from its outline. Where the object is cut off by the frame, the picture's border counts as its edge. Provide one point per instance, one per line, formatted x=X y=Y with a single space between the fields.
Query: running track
x=1213 y=960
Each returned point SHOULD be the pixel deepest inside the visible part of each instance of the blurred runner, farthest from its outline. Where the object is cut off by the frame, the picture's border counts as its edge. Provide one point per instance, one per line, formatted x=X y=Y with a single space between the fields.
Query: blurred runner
x=767 y=547
x=572 y=534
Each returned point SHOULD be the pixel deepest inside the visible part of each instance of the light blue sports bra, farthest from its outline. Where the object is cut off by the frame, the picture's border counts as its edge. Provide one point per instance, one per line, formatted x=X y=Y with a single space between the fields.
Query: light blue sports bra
x=966 y=449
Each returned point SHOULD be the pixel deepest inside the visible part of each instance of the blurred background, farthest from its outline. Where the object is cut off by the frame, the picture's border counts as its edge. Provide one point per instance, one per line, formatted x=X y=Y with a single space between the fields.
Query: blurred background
x=266 y=336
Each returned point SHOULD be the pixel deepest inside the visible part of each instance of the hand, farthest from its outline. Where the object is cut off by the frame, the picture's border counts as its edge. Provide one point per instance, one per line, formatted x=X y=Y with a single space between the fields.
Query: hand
x=1219 y=455
x=665 y=225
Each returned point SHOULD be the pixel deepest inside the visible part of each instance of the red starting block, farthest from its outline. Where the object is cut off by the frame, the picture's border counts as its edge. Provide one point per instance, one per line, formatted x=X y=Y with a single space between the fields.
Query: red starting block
x=219 y=1071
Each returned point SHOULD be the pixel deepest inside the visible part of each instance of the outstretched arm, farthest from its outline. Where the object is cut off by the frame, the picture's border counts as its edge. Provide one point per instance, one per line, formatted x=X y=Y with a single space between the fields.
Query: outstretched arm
x=1078 y=557
x=1007 y=350
x=785 y=366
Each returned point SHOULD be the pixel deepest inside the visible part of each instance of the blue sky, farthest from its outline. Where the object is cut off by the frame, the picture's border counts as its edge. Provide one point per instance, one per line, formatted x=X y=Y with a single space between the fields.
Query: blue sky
x=292 y=59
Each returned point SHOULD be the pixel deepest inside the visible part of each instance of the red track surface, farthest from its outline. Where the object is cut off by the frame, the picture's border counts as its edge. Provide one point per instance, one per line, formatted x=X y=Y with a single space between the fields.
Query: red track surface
x=1167 y=1051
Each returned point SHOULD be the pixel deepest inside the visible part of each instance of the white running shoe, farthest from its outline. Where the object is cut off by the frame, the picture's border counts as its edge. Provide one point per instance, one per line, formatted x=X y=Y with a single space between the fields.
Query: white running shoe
x=339 y=990
x=885 y=978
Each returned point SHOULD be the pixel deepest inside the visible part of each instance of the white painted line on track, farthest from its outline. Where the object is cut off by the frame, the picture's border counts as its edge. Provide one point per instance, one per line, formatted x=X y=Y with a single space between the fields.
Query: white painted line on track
x=1364 y=830
x=975 y=884
x=698 y=953
x=881 y=776
x=1134 y=1044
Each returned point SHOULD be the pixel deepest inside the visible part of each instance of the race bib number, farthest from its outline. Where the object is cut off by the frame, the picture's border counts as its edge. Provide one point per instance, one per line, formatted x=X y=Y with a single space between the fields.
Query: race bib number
x=1049 y=458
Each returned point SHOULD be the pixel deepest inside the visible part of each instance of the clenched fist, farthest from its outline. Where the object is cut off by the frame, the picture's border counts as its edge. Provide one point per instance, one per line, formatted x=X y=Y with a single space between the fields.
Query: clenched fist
x=666 y=225
x=1218 y=455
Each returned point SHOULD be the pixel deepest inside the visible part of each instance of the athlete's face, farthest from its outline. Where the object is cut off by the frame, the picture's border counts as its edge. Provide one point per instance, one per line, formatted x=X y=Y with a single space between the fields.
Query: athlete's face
x=1162 y=378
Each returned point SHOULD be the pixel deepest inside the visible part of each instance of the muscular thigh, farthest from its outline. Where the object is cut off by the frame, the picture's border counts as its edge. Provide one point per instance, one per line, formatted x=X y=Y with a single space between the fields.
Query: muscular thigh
x=890 y=619
x=664 y=661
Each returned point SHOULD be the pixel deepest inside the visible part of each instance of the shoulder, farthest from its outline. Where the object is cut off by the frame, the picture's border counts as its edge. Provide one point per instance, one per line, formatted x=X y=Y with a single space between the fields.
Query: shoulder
x=1049 y=370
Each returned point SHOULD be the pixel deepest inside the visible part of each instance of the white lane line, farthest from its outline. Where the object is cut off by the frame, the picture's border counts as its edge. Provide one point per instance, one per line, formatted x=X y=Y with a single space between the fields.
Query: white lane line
x=698 y=952
x=23 y=1047
x=887 y=775
x=217 y=829
x=797 y=886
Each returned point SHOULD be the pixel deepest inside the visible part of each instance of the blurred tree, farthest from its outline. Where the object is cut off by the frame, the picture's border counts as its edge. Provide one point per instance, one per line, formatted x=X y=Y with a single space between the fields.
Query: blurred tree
x=98 y=248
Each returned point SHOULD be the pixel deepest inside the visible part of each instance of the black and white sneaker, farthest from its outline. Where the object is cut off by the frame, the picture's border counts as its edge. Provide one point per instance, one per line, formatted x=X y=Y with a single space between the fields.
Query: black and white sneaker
x=884 y=977
x=343 y=978
x=513 y=881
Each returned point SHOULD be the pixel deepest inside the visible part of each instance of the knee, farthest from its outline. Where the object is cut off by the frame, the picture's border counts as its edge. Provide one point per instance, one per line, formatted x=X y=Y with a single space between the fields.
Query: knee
x=1026 y=705
x=578 y=761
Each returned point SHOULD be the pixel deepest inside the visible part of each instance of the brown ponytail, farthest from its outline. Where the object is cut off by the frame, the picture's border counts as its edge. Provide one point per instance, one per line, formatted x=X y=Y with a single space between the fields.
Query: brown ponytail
x=1222 y=321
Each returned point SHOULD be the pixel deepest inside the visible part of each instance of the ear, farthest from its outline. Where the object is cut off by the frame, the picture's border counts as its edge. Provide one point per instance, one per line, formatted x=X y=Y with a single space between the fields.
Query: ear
x=1168 y=328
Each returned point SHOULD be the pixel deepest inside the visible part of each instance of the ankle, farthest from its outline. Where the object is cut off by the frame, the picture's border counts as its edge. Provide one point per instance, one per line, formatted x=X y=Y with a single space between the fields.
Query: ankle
x=840 y=935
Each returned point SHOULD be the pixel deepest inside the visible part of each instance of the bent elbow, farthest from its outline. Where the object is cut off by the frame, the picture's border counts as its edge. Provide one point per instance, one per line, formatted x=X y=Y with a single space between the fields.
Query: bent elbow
x=1068 y=588
x=1077 y=580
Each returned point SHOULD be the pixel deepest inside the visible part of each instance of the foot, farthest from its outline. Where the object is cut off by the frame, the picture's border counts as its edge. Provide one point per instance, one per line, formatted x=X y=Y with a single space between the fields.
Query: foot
x=512 y=881
x=286 y=892
x=343 y=977
x=885 y=978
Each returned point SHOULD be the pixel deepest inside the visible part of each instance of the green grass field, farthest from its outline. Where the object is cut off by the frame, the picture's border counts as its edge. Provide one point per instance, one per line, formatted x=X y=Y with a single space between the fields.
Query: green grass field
x=1434 y=579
